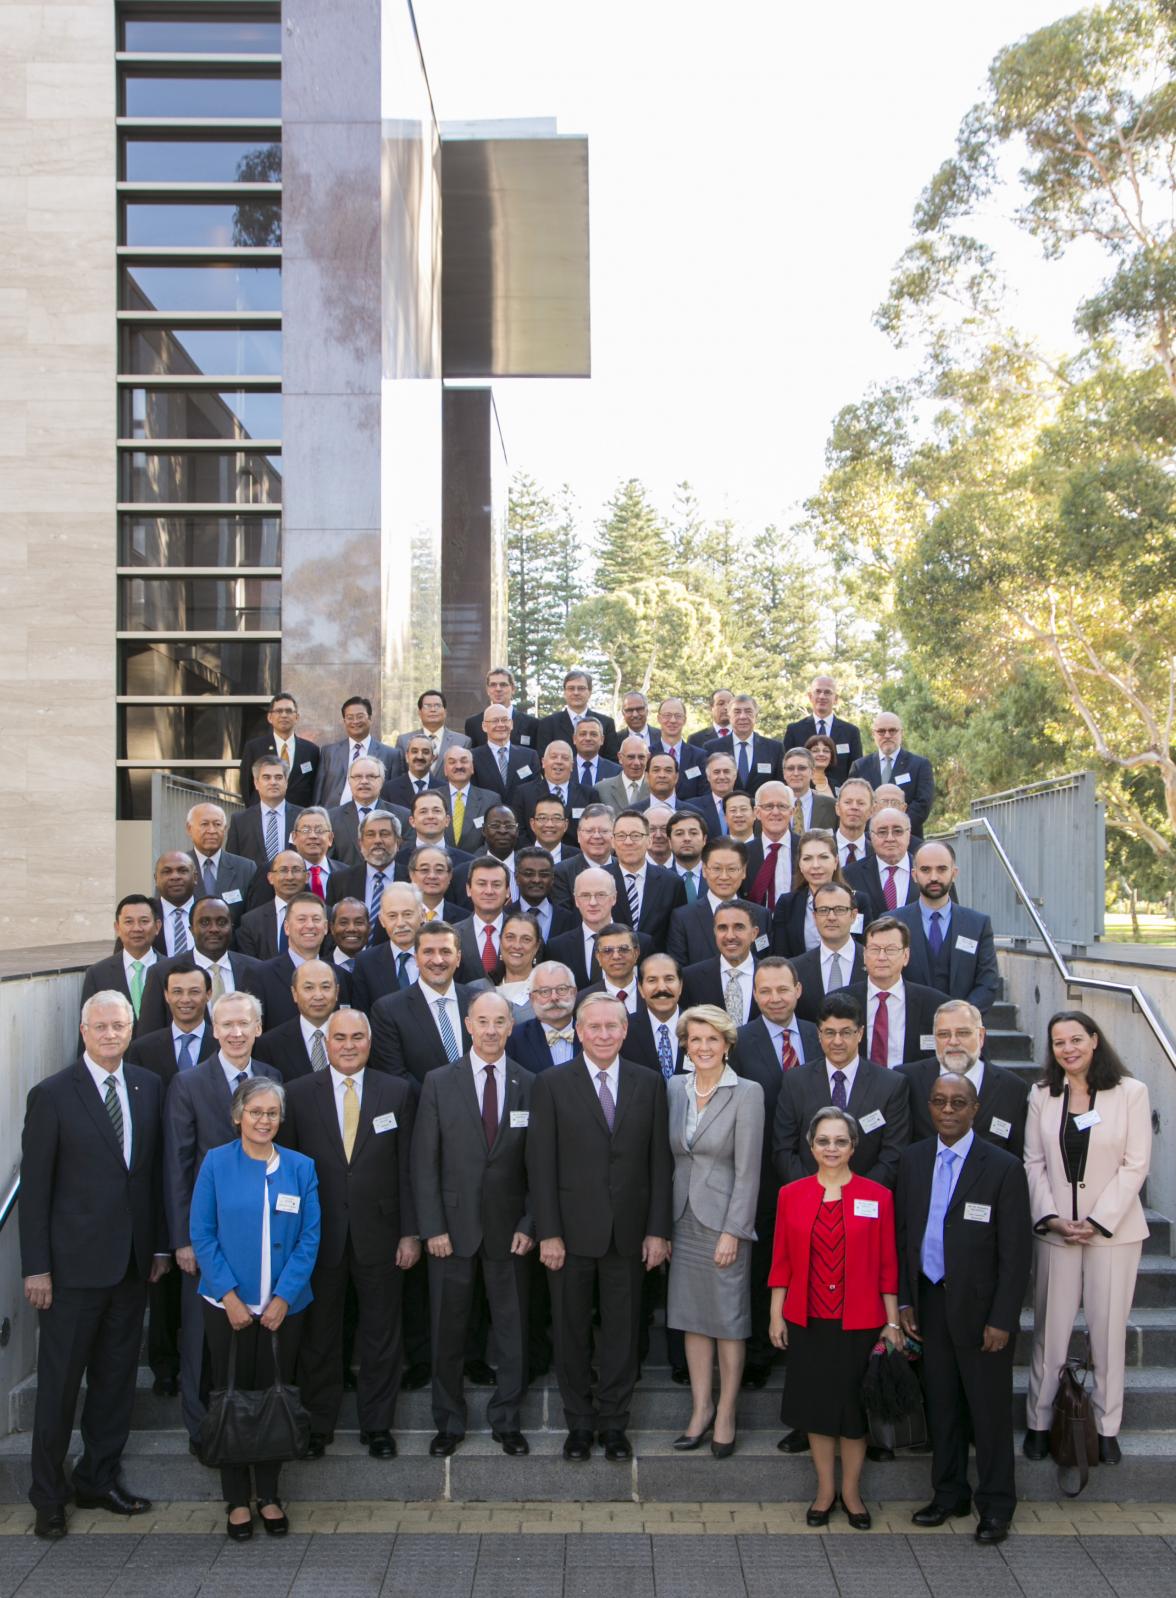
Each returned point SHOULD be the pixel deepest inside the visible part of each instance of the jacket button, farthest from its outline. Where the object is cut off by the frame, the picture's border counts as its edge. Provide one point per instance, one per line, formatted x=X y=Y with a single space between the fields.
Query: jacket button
x=1082 y=1184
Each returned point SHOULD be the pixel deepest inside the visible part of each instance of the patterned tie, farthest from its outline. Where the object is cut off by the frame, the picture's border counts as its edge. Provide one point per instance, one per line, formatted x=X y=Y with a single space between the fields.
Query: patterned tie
x=585 y=774
x=932 y=1252
x=209 y=875
x=886 y=768
x=821 y=728
x=316 y=882
x=458 y=816
x=284 y=756
x=936 y=939
x=788 y=1060
x=836 y=980
x=179 y=932
x=503 y=757
x=665 y=1054
x=318 y=1051
x=567 y=1035
x=272 y=839
x=350 y=1117
x=607 y=1102
x=403 y=980
x=889 y=891
x=744 y=765
x=850 y=852
x=114 y=1109
x=733 y=998
x=241 y=1076
x=880 y=1036
x=691 y=887
x=839 y=1099
x=489 y=958
x=136 y=986
x=184 y=1060
x=218 y=982
x=763 y=889
x=357 y=751
x=490 y=1107
x=374 y=906
x=445 y=1027
x=421 y=784
x=634 y=901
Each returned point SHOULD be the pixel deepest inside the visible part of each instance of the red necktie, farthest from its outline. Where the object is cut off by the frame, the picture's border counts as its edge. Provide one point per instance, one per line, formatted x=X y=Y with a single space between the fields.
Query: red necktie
x=763 y=889
x=623 y=996
x=490 y=1108
x=787 y=1053
x=489 y=958
x=850 y=853
x=889 y=891
x=880 y=1037
x=316 y=881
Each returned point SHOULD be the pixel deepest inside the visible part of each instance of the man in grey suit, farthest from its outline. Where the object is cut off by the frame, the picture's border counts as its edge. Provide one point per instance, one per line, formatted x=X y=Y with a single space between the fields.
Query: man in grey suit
x=332 y=786
x=366 y=779
x=219 y=875
x=620 y=793
x=431 y=708
x=480 y=935
x=470 y=1185
x=196 y=1119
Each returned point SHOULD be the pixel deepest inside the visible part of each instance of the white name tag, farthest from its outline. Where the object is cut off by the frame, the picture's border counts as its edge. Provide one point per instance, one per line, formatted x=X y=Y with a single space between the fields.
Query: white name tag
x=1000 y=1128
x=384 y=1123
x=525 y=739
x=764 y=767
x=977 y=1212
x=479 y=822
x=968 y=945
x=288 y=1203
x=520 y=1118
x=927 y=1041
x=306 y=766
x=857 y=923
x=577 y=813
x=523 y=771
x=761 y=942
x=868 y=1207
x=903 y=777
x=842 y=749
x=692 y=772
x=871 y=1122
x=232 y=896
x=1090 y=1118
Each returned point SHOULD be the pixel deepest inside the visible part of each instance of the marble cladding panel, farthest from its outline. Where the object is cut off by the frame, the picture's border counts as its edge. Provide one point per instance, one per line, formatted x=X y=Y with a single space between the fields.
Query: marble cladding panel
x=331 y=60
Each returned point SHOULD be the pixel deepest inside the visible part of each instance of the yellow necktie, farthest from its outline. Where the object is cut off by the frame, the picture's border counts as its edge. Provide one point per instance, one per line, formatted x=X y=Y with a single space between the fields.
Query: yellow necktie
x=284 y=754
x=458 y=817
x=350 y=1116
x=218 y=984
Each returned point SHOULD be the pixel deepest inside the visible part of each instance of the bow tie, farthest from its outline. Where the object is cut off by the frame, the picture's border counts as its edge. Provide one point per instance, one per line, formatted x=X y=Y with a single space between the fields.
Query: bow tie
x=566 y=1036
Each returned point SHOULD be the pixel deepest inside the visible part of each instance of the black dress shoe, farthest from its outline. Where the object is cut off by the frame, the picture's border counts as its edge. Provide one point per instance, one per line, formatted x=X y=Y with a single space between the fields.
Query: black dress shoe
x=992 y=1531
x=1036 y=1445
x=936 y=1514
x=479 y=1373
x=680 y=1374
x=1109 y=1452
x=860 y=1522
x=513 y=1443
x=194 y=1449
x=818 y=1517
x=50 y=1523
x=616 y=1446
x=578 y=1446
x=317 y=1446
x=380 y=1445
x=756 y=1376
x=275 y=1525
x=165 y=1387
x=239 y=1531
x=878 y=1455
x=444 y=1444
x=415 y=1377
x=117 y=1501
x=794 y=1443
x=723 y=1450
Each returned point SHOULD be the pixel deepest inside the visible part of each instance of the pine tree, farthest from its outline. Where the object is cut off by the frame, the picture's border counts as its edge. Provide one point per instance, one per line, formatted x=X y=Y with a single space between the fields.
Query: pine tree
x=633 y=541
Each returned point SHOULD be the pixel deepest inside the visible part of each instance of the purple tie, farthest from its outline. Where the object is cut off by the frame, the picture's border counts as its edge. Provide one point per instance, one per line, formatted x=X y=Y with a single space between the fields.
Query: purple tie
x=936 y=938
x=839 y=1090
x=606 y=1099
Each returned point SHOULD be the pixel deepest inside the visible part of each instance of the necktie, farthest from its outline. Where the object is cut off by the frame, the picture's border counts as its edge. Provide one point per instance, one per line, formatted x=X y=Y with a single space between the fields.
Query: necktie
x=350 y=1117
x=445 y=1027
x=318 y=1051
x=623 y=996
x=209 y=876
x=114 y=1109
x=179 y=932
x=665 y=1054
x=567 y=1035
x=364 y=812
x=271 y=834
x=936 y=939
x=283 y=940
x=634 y=790
x=763 y=889
x=458 y=816
x=420 y=784
x=936 y=1215
x=490 y=1107
x=284 y=755
x=821 y=728
x=839 y=1099
x=136 y=985
x=357 y=751
x=733 y=998
x=316 y=881
x=887 y=768
x=691 y=886
x=403 y=980
x=634 y=901
x=836 y=980
x=184 y=1060
x=788 y=1058
x=585 y=774
x=489 y=958
x=218 y=982
x=744 y=765
x=889 y=891
x=880 y=1037
x=850 y=853
x=502 y=767
x=241 y=1076
x=723 y=828
x=374 y=906
x=607 y=1102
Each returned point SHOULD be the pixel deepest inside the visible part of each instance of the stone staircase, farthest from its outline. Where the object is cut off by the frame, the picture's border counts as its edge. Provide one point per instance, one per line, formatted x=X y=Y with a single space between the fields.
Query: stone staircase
x=158 y=1462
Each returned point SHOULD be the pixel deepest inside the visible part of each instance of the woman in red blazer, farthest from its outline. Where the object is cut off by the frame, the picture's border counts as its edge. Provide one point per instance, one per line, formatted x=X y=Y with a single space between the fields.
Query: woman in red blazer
x=834 y=1282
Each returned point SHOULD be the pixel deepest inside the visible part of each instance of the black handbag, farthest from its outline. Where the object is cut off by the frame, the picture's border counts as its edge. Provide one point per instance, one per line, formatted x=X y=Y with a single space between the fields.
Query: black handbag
x=250 y=1427
x=1073 y=1437
x=893 y=1400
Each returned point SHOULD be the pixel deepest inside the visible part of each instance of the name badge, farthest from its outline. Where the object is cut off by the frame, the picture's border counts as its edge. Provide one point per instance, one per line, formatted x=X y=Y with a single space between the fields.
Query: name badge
x=857 y=923
x=692 y=772
x=927 y=1041
x=479 y=822
x=526 y=740
x=384 y=1123
x=306 y=767
x=1090 y=1118
x=867 y=1207
x=577 y=812
x=523 y=771
x=871 y=1122
x=977 y=1212
x=232 y=896
x=761 y=942
x=288 y=1203
x=764 y=767
x=968 y=945
x=1000 y=1128
x=520 y=1118
x=842 y=749
x=903 y=777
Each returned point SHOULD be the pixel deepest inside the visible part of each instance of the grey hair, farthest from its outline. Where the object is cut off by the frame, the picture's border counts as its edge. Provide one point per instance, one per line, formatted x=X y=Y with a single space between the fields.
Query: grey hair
x=832 y=1113
x=349 y=1010
x=376 y=761
x=252 y=1088
x=239 y=997
x=108 y=996
x=204 y=804
x=379 y=815
x=313 y=810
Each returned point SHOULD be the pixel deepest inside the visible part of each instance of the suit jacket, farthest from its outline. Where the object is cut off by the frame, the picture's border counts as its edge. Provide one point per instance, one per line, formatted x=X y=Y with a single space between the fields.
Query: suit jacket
x=755 y=860
x=195 y=1119
x=156 y=1051
x=871 y=1257
x=274 y=978
x=691 y=936
x=614 y=792
x=261 y=889
x=458 y=858
x=527 y=796
x=806 y=1090
x=110 y=976
x=811 y=979
x=345 y=825
x=797 y=734
x=558 y=728
x=284 y=1048
x=524 y=729
x=154 y=1013
x=822 y=815
x=641 y=1045
x=702 y=983
x=522 y=765
x=973 y=973
x=374 y=975
x=84 y=1214
x=563 y=889
x=471 y=935
x=352 y=884
x=706 y=735
x=764 y=752
x=528 y=1046
x=447 y=741
x=476 y=1194
x=234 y=876
x=369 y=1198
x=246 y=837
x=257 y=936
x=334 y=761
x=664 y=893
x=477 y=802
x=865 y=876
x=986 y=1261
x=399 y=792
x=405 y=1040
x=1004 y=1104
x=592 y=1187
x=912 y=773
x=718 y=1176
x=562 y=919
x=1117 y=1159
x=788 y=923
x=703 y=803
x=568 y=948
x=303 y=768
x=921 y=1005
x=754 y=1057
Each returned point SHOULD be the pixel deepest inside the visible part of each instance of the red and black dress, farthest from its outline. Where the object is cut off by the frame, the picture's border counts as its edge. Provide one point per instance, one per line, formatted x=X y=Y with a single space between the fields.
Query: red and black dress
x=823 y=1377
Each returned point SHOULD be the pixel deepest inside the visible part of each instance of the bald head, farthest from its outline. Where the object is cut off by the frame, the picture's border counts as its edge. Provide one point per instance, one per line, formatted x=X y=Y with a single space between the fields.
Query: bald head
x=595 y=894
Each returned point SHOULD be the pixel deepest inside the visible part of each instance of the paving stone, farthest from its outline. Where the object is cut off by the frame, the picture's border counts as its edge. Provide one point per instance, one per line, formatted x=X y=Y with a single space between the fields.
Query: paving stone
x=1136 y=1567
x=1047 y=1566
x=962 y=1568
x=612 y=1550
x=874 y=1567
x=18 y=1557
x=764 y=1560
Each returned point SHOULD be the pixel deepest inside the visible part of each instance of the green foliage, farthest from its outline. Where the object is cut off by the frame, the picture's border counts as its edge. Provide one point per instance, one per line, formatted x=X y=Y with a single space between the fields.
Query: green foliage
x=545 y=584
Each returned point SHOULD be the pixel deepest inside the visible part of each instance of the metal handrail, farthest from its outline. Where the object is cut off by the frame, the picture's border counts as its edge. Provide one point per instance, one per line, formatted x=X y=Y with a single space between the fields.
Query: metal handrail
x=1071 y=978
x=9 y=1201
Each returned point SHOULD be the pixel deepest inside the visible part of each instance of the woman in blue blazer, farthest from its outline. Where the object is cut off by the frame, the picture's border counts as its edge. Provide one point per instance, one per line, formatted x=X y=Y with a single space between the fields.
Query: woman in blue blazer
x=255 y=1230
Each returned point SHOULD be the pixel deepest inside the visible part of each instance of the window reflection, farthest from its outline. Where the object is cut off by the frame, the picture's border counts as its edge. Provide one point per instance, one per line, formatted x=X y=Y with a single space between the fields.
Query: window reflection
x=197 y=350
x=201 y=288
x=177 y=35
x=215 y=668
x=173 y=96
x=201 y=477
x=253 y=224
x=188 y=732
x=200 y=413
x=212 y=160
x=200 y=604
x=200 y=540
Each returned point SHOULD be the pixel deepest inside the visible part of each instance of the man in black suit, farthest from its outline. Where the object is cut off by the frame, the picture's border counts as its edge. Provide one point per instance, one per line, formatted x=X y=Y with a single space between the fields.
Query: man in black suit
x=351 y=929
x=837 y=960
x=595 y=837
x=379 y=844
x=847 y=738
x=136 y=926
x=196 y=1119
x=595 y=897
x=618 y=952
x=652 y=1038
x=219 y=874
x=175 y=892
x=262 y=933
x=549 y=826
x=958 y=1032
x=893 y=763
x=720 y=719
x=692 y=927
x=389 y=966
x=333 y=785
x=592 y=766
x=261 y=830
x=306 y=932
x=500 y=690
x=885 y=874
x=312 y=840
x=212 y=933
x=719 y=777
x=415 y=1031
x=900 y=1015
x=430 y=872
x=600 y=1172
x=299 y=756
x=467 y=803
x=561 y=727
x=770 y=854
x=964 y=1248
x=92 y=1237
x=757 y=759
x=357 y=1127
x=470 y=1182
x=654 y=891
x=550 y=1037
x=429 y=824
x=557 y=779
x=480 y=935
x=853 y=806
x=686 y=837
x=499 y=764
x=500 y=835
x=727 y=979
x=188 y=1038
x=299 y=1047
x=635 y=713
x=367 y=784
x=535 y=880
x=418 y=778
x=952 y=947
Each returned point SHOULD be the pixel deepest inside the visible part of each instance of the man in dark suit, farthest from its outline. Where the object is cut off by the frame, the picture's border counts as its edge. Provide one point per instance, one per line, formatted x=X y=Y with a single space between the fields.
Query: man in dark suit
x=655 y=891
x=900 y=1015
x=175 y=892
x=635 y=714
x=299 y=1047
x=212 y=932
x=357 y=1127
x=312 y=840
x=692 y=927
x=837 y=961
x=500 y=836
x=550 y=1037
x=379 y=844
x=418 y=778
x=535 y=880
x=499 y=764
x=964 y=1248
x=652 y=1038
x=561 y=727
x=389 y=966
x=219 y=874
x=548 y=825
x=430 y=872
x=367 y=795
x=261 y=830
x=470 y=1183
x=500 y=690
x=847 y=738
x=415 y=1031
x=719 y=780
x=92 y=1237
x=720 y=719
x=306 y=932
x=893 y=763
x=480 y=935
x=595 y=835
x=351 y=928
x=958 y=1033
x=196 y=1119
x=136 y=926
x=188 y=1038
x=809 y=808
x=885 y=874
x=467 y=804
x=600 y=1170
x=757 y=759
x=727 y=978
x=262 y=933
x=592 y=766
x=770 y=866
x=595 y=896
x=952 y=946
x=430 y=824
x=299 y=756
x=557 y=779
x=332 y=784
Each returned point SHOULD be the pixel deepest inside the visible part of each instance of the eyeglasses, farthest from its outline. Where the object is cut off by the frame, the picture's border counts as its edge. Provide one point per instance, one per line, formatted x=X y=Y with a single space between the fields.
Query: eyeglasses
x=832 y=1143
x=553 y=993
x=833 y=909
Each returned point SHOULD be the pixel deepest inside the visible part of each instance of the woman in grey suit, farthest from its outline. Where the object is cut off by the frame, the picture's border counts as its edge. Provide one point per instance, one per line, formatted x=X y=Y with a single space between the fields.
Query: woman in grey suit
x=716 y=1124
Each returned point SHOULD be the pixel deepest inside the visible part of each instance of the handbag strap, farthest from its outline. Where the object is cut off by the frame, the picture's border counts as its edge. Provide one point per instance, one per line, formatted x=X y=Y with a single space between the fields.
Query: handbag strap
x=277 y=1362
x=231 y=1373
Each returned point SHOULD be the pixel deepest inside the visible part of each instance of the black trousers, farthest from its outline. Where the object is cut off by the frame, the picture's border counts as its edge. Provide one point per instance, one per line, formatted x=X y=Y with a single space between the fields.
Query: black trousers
x=163 y=1324
x=379 y=1343
x=968 y=1393
x=759 y=1346
x=92 y=1332
x=619 y=1279
x=454 y=1300
x=255 y=1368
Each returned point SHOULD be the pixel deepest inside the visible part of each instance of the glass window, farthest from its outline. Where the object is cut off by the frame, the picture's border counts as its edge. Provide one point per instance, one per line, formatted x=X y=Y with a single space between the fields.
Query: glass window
x=246 y=224
x=207 y=160
x=197 y=350
x=204 y=477
x=199 y=541
x=220 y=667
x=201 y=288
x=134 y=787
x=200 y=413
x=188 y=732
x=200 y=604
x=170 y=95
x=179 y=35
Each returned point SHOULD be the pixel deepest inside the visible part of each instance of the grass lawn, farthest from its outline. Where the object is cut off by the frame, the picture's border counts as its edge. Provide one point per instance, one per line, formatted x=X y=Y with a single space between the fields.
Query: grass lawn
x=1152 y=929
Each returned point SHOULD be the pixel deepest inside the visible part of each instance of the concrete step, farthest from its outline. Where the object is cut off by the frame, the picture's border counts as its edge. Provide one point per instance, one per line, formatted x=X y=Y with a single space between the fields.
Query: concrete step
x=1003 y=1045
x=1151 y=1338
x=1001 y=1014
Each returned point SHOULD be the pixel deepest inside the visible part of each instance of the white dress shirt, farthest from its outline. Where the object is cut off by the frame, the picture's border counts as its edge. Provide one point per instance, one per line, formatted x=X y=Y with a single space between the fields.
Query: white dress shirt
x=845 y=955
x=848 y=1071
x=169 y=923
x=232 y=1072
x=197 y=1036
x=146 y=962
x=365 y=745
x=308 y=1031
x=630 y=992
x=783 y=883
x=843 y=843
x=338 y=1082
x=612 y=1073
x=433 y=999
x=478 y=1067
x=223 y=965
x=895 y=1019
x=100 y=1076
x=902 y=877
x=974 y=1074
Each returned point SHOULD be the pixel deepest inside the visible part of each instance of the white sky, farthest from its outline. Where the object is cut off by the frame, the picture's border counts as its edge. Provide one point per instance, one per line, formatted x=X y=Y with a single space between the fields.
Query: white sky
x=753 y=168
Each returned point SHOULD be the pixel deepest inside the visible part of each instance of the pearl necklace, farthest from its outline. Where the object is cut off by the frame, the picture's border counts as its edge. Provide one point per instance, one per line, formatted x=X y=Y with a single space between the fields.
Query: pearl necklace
x=703 y=1097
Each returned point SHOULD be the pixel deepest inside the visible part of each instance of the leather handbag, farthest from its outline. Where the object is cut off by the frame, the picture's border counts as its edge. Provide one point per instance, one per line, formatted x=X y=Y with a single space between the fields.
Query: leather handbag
x=244 y=1426
x=893 y=1400
x=1073 y=1438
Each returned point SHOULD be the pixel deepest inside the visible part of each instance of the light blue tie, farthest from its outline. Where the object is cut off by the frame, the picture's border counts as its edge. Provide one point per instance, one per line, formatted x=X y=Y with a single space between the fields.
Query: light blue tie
x=445 y=1027
x=932 y=1259
x=184 y=1061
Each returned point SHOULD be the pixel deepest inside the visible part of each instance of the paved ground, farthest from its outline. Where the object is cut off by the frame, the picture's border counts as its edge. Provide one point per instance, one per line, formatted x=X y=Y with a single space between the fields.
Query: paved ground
x=583 y=1550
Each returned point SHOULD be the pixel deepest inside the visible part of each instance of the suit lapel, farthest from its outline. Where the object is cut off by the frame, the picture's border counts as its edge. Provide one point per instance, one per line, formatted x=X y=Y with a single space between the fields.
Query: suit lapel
x=96 y=1109
x=512 y=1100
x=585 y=1085
x=970 y=1173
x=325 y=1087
x=467 y=1092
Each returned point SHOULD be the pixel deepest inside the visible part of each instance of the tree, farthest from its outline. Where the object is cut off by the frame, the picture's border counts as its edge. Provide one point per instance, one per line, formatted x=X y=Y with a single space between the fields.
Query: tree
x=544 y=581
x=654 y=635
x=632 y=539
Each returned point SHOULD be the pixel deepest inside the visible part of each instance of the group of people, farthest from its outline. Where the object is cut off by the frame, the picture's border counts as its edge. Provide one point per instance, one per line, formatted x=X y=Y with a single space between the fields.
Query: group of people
x=428 y=1068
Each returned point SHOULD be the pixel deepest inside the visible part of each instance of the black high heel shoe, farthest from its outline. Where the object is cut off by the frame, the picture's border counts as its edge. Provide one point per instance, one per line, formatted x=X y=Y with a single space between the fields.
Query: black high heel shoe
x=239 y=1531
x=275 y=1525
x=724 y=1450
x=686 y=1444
x=819 y=1517
x=860 y=1522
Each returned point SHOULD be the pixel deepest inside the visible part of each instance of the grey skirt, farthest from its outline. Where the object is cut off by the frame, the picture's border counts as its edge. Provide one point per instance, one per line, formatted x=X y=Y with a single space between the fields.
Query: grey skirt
x=701 y=1297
